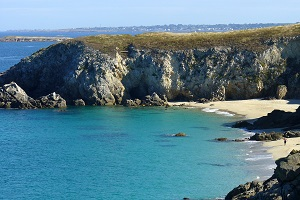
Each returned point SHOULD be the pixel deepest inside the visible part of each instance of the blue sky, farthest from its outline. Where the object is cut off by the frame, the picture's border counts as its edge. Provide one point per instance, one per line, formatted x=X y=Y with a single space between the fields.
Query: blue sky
x=53 y=14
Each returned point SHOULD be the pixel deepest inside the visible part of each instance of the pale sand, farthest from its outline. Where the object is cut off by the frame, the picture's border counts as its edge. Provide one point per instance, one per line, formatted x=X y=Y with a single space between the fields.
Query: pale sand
x=255 y=108
x=279 y=150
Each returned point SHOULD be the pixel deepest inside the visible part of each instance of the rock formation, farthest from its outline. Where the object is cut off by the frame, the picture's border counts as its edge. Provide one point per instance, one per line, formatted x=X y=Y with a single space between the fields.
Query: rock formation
x=284 y=184
x=275 y=119
x=13 y=96
x=76 y=69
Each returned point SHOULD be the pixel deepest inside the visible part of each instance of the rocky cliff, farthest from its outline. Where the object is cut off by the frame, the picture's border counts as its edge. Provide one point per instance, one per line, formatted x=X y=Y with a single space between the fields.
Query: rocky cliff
x=108 y=71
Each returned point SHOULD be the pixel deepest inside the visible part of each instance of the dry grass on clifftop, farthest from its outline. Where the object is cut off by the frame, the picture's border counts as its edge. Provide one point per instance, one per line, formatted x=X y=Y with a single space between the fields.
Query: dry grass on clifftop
x=253 y=39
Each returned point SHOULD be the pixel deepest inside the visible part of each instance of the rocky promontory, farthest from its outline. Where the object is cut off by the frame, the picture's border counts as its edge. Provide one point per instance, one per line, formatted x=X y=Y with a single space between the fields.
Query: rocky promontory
x=109 y=70
x=284 y=184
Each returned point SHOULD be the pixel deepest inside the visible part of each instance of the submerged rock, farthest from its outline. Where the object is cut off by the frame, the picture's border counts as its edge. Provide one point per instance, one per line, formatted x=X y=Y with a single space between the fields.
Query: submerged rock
x=180 y=134
x=221 y=139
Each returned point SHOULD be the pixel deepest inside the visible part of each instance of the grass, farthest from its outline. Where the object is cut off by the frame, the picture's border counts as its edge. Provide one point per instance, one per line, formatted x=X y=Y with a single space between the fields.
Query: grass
x=253 y=39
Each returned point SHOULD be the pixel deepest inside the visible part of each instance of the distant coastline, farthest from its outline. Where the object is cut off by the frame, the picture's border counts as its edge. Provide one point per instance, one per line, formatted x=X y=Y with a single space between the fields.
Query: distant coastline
x=176 y=28
x=32 y=39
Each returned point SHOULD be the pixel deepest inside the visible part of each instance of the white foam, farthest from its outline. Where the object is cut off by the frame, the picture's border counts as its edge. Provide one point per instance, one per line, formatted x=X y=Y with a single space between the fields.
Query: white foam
x=215 y=110
x=224 y=113
x=271 y=166
x=259 y=157
x=210 y=110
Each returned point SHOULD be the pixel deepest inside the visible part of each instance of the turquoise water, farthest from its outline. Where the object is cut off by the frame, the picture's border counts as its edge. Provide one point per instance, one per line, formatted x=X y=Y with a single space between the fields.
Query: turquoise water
x=121 y=153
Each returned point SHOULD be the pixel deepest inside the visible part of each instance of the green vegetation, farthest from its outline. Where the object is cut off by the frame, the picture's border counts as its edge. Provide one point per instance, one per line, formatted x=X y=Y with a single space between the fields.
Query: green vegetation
x=254 y=39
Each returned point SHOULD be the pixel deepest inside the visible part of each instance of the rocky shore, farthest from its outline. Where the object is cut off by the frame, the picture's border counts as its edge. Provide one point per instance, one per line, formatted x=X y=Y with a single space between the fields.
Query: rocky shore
x=12 y=96
x=284 y=184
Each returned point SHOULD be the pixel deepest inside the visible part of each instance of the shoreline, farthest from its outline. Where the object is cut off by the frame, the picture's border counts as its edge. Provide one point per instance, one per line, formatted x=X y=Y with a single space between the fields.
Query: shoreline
x=250 y=110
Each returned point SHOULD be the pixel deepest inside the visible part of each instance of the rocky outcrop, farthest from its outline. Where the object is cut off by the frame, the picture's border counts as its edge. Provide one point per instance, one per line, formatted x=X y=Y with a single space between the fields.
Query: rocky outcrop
x=266 y=136
x=284 y=184
x=75 y=70
x=13 y=96
x=149 y=100
x=275 y=119
x=52 y=100
x=278 y=119
x=79 y=102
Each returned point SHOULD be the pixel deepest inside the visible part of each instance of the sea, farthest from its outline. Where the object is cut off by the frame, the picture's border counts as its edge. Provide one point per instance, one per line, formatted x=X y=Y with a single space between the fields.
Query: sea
x=119 y=152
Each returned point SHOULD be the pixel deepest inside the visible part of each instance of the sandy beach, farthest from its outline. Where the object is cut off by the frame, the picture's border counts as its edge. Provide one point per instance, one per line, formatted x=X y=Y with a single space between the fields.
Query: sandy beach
x=250 y=109
x=279 y=150
x=254 y=108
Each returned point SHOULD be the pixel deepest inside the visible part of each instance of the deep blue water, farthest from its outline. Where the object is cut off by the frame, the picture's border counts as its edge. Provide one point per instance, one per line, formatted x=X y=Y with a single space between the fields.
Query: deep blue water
x=12 y=52
x=118 y=152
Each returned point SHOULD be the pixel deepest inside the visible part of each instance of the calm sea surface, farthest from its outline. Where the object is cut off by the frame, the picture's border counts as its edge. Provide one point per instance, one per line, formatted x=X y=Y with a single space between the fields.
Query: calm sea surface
x=120 y=153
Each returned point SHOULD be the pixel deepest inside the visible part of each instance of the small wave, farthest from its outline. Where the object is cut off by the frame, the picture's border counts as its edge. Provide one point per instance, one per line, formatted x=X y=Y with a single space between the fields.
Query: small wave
x=217 y=111
x=259 y=157
x=271 y=166
x=210 y=110
x=247 y=133
x=224 y=113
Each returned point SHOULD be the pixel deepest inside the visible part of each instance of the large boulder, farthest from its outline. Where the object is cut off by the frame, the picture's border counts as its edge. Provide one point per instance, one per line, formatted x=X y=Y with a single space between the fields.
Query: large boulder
x=273 y=136
x=154 y=100
x=281 y=91
x=52 y=100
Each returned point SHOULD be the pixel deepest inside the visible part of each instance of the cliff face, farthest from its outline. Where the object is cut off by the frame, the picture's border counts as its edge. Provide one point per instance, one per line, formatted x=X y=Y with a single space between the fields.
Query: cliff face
x=77 y=71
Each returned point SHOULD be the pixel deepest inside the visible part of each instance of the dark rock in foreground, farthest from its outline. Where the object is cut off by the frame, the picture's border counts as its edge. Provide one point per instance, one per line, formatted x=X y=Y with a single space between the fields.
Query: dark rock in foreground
x=13 y=96
x=284 y=184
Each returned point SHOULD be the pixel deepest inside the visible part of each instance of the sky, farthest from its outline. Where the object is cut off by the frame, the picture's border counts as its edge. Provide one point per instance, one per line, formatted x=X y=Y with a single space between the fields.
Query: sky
x=59 y=14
